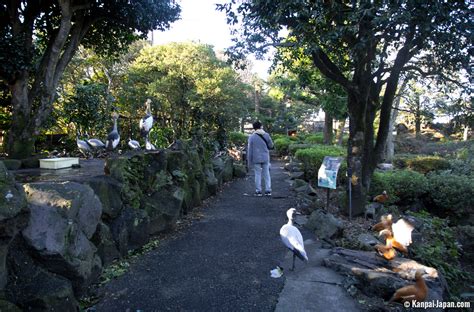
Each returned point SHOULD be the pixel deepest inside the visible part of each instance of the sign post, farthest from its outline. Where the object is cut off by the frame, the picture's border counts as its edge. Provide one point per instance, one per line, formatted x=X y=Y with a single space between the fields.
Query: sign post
x=327 y=174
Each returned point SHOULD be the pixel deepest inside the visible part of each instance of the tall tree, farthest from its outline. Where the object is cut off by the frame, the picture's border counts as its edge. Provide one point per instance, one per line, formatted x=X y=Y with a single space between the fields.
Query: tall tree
x=382 y=39
x=190 y=88
x=39 y=38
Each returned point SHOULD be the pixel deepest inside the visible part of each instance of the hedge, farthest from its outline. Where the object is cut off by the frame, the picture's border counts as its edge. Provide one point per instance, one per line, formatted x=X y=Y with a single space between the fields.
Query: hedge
x=281 y=145
x=402 y=186
x=451 y=196
x=237 y=138
x=313 y=157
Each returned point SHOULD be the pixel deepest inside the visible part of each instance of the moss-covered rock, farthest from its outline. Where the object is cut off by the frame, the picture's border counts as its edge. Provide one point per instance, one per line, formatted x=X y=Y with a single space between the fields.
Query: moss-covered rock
x=63 y=218
x=164 y=208
x=109 y=192
x=33 y=288
x=14 y=214
x=228 y=172
x=103 y=240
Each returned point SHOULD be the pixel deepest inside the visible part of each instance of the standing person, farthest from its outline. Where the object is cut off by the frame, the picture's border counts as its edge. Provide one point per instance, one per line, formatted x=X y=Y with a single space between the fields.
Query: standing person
x=258 y=156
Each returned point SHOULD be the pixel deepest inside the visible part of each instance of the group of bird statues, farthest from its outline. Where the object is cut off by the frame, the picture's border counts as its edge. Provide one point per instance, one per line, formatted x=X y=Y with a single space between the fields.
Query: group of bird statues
x=89 y=146
x=397 y=237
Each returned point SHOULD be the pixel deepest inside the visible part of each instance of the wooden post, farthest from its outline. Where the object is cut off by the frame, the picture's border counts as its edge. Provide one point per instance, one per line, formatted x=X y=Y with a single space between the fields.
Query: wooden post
x=327 y=199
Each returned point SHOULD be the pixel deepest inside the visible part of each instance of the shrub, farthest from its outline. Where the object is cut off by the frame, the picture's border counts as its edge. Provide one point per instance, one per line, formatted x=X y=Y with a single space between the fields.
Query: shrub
x=400 y=160
x=438 y=248
x=402 y=186
x=461 y=167
x=297 y=146
x=425 y=164
x=281 y=145
x=451 y=196
x=237 y=138
x=313 y=157
x=315 y=138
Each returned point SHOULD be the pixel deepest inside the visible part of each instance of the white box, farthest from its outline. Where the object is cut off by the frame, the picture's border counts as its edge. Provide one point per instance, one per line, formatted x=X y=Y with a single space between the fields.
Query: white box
x=58 y=163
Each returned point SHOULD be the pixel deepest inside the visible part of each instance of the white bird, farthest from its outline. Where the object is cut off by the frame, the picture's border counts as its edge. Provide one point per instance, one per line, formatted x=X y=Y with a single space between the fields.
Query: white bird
x=292 y=238
x=147 y=121
x=95 y=143
x=9 y=195
x=149 y=146
x=84 y=148
x=134 y=145
x=113 y=138
x=402 y=232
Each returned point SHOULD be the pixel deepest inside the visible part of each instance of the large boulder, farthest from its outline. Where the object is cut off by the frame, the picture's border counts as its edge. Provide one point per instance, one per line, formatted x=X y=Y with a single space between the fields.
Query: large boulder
x=228 y=172
x=377 y=277
x=325 y=225
x=104 y=241
x=164 y=208
x=108 y=190
x=32 y=287
x=130 y=229
x=63 y=218
x=212 y=182
x=13 y=216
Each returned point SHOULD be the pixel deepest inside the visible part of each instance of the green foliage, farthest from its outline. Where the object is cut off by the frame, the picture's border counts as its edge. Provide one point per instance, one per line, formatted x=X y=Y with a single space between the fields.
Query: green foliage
x=192 y=91
x=313 y=157
x=237 y=138
x=89 y=109
x=402 y=186
x=462 y=167
x=421 y=163
x=314 y=138
x=294 y=147
x=438 y=249
x=451 y=195
x=282 y=144
x=160 y=137
x=425 y=164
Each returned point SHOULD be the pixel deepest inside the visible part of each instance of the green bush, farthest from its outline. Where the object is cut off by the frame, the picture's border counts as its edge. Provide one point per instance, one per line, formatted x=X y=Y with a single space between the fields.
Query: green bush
x=314 y=138
x=425 y=164
x=438 y=248
x=451 y=196
x=402 y=186
x=421 y=163
x=400 y=160
x=281 y=145
x=237 y=138
x=313 y=157
x=297 y=146
x=461 y=167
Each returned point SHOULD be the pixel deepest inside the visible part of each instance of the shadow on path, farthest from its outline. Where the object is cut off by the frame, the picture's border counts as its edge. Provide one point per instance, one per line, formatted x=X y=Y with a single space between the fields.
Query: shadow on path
x=220 y=263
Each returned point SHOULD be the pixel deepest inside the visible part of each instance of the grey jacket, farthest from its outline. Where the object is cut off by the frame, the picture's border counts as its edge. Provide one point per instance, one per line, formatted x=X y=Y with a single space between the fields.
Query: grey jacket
x=257 y=150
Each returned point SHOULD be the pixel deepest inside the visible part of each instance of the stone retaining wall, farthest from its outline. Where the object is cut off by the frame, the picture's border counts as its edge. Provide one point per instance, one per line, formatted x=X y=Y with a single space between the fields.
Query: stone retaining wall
x=57 y=236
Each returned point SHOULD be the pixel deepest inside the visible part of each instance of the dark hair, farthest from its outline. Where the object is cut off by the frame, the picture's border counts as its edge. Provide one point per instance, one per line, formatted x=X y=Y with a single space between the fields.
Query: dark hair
x=257 y=125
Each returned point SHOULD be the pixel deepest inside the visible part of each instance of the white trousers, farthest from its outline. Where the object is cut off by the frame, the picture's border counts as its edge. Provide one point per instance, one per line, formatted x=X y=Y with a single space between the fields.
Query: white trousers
x=265 y=168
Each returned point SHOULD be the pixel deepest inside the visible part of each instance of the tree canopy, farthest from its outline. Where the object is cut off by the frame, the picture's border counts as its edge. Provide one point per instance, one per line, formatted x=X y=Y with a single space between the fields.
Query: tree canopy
x=364 y=46
x=39 y=38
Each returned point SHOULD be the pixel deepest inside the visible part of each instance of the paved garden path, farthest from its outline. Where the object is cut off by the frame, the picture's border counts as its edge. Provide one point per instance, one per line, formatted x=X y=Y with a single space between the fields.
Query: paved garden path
x=222 y=262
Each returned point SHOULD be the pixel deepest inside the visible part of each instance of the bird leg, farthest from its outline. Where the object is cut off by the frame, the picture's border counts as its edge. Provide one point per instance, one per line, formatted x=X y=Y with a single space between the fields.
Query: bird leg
x=293 y=267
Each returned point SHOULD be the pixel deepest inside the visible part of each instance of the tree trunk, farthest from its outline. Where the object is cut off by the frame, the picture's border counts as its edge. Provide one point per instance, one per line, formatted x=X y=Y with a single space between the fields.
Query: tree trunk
x=465 y=135
x=33 y=96
x=340 y=131
x=257 y=102
x=390 y=147
x=328 y=129
x=21 y=142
